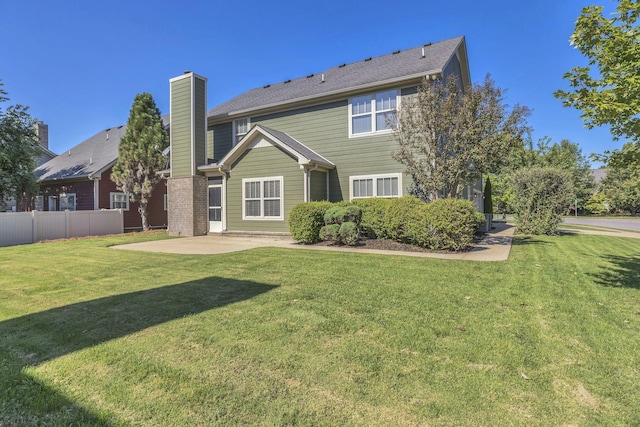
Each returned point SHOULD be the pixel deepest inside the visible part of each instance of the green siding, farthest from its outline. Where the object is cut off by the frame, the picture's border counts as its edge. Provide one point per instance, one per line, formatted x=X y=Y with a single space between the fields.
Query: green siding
x=325 y=129
x=258 y=163
x=318 y=186
x=181 y=127
x=200 y=121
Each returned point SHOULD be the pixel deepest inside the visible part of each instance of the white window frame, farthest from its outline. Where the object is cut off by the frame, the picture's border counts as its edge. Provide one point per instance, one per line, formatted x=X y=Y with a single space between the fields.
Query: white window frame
x=375 y=109
x=112 y=201
x=66 y=196
x=262 y=199
x=375 y=179
x=237 y=136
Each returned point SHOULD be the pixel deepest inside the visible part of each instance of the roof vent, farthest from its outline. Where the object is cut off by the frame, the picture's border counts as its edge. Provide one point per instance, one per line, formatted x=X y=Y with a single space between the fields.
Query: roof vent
x=340 y=66
x=266 y=86
x=322 y=81
x=288 y=81
x=368 y=59
x=309 y=76
x=69 y=152
x=90 y=160
x=396 y=52
x=120 y=127
x=187 y=72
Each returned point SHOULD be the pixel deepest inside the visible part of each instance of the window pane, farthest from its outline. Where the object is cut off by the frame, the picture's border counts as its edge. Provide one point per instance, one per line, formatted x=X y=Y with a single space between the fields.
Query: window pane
x=394 y=187
x=361 y=124
x=272 y=208
x=382 y=121
x=215 y=196
x=252 y=190
x=369 y=192
x=252 y=208
x=387 y=187
x=361 y=105
x=215 y=214
x=386 y=100
x=272 y=189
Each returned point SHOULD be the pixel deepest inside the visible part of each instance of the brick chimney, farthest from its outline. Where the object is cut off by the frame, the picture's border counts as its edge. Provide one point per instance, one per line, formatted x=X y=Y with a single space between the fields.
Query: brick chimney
x=42 y=131
x=187 y=187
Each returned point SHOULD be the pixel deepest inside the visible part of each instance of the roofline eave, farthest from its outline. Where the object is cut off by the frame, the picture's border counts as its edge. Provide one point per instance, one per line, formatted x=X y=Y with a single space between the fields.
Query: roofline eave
x=322 y=97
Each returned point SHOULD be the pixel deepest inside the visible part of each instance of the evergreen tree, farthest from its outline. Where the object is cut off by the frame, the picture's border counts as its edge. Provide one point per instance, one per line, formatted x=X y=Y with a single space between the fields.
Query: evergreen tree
x=488 y=197
x=140 y=153
x=19 y=149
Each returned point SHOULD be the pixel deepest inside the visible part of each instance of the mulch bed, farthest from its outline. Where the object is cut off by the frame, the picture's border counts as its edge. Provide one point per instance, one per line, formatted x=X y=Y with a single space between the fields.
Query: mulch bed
x=391 y=245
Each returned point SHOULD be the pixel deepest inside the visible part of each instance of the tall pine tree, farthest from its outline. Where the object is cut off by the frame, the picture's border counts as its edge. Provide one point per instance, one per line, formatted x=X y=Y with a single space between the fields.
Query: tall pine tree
x=140 y=153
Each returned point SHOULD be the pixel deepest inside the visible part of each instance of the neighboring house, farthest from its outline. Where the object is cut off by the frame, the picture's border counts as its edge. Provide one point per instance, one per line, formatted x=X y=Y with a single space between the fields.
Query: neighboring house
x=242 y=166
x=42 y=131
x=599 y=175
x=80 y=179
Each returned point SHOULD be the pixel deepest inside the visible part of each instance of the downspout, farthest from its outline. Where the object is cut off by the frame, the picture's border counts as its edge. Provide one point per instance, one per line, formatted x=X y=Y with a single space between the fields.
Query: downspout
x=96 y=191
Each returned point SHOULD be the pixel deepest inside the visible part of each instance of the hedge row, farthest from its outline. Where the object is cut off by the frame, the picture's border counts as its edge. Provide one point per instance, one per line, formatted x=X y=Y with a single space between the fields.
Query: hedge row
x=443 y=224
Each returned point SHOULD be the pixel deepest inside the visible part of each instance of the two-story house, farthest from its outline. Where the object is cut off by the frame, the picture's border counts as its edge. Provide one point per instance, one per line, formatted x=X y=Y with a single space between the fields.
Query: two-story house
x=242 y=166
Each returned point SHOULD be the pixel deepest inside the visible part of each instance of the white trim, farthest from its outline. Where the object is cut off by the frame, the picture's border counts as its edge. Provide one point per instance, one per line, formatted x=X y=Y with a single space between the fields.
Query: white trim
x=374 y=178
x=192 y=125
x=262 y=180
x=112 y=201
x=372 y=114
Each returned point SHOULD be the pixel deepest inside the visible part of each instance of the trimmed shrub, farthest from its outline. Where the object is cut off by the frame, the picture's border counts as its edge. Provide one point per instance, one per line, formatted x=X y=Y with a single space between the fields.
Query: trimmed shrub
x=306 y=220
x=330 y=233
x=488 y=197
x=342 y=224
x=349 y=234
x=452 y=223
x=403 y=219
x=374 y=211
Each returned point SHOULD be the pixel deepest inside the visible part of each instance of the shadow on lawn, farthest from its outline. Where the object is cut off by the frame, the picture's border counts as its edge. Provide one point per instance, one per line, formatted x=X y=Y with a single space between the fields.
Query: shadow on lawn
x=36 y=338
x=620 y=272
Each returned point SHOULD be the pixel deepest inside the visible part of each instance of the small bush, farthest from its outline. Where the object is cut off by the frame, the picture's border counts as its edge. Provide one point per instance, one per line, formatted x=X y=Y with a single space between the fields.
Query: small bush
x=452 y=223
x=306 y=220
x=403 y=219
x=330 y=233
x=349 y=234
x=342 y=224
x=374 y=211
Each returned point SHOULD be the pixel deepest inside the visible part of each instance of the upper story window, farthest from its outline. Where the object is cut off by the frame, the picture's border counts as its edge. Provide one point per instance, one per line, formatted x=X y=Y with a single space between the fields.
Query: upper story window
x=240 y=129
x=372 y=113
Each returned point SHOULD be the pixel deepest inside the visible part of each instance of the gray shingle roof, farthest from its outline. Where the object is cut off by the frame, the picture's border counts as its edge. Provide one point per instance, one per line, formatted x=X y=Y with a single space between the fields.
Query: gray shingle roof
x=298 y=147
x=346 y=77
x=89 y=157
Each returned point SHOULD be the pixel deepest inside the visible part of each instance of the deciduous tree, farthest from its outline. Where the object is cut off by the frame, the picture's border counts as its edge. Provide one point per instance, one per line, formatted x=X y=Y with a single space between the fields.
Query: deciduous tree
x=607 y=90
x=140 y=154
x=448 y=136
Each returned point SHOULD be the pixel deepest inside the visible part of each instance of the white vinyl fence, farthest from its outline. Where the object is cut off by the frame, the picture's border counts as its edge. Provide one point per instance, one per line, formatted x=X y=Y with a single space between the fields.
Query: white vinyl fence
x=28 y=227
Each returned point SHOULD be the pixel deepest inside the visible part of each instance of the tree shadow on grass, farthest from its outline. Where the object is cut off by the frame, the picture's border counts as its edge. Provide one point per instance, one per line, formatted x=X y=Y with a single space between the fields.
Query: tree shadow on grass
x=619 y=272
x=39 y=337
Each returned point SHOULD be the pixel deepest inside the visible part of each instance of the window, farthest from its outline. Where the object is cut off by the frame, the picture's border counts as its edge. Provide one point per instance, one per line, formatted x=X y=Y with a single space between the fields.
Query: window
x=262 y=198
x=38 y=203
x=68 y=202
x=119 y=201
x=387 y=185
x=240 y=129
x=372 y=113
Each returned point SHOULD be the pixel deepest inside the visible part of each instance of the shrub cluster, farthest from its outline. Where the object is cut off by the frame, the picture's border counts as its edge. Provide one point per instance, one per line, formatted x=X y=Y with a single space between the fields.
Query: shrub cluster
x=447 y=224
x=342 y=224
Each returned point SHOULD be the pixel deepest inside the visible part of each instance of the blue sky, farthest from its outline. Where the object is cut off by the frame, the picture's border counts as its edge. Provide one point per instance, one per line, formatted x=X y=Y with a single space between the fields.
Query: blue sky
x=78 y=65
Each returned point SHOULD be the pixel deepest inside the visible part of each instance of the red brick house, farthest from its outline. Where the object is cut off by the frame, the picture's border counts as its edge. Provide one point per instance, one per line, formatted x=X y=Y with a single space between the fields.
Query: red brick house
x=80 y=179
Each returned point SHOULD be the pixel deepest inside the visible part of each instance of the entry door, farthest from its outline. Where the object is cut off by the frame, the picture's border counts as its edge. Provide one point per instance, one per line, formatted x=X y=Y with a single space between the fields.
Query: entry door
x=215 y=208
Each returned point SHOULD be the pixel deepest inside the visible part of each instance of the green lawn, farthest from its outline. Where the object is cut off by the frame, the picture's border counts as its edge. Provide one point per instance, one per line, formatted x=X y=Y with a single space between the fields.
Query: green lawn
x=94 y=336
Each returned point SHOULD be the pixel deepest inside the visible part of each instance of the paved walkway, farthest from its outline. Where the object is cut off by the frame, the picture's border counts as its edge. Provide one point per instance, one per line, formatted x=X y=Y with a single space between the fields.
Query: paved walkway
x=494 y=247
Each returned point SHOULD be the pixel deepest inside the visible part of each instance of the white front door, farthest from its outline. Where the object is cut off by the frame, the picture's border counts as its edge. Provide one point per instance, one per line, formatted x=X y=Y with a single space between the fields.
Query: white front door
x=215 y=207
